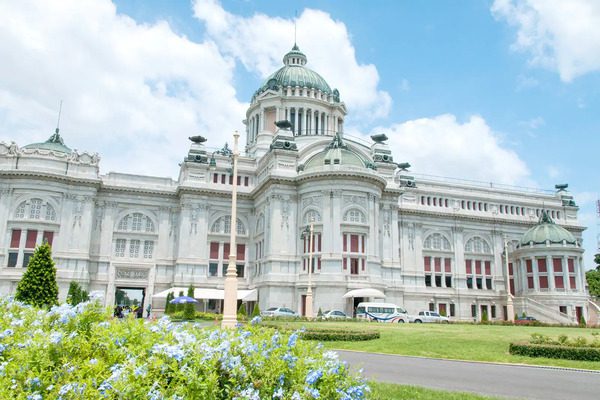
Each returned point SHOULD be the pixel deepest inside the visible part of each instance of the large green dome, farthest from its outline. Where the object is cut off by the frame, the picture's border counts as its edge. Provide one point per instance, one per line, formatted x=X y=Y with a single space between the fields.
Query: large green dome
x=54 y=143
x=294 y=73
x=547 y=231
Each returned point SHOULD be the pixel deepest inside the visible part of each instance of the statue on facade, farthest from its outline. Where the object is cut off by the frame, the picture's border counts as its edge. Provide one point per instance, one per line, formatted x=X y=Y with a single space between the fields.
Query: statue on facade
x=197 y=139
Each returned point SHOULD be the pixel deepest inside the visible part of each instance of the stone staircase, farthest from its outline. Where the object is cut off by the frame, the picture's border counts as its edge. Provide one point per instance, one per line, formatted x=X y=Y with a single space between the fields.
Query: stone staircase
x=542 y=312
x=594 y=312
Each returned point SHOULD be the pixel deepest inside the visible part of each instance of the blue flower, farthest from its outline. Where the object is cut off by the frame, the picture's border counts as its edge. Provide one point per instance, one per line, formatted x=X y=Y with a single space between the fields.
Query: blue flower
x=56 y=337
x=256 y=320
x=292 y=340
x=313 y=376
x=35 y=396
x=314 y=393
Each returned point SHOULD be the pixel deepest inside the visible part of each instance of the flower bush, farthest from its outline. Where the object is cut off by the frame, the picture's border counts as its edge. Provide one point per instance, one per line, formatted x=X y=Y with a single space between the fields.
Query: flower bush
x=80 y=352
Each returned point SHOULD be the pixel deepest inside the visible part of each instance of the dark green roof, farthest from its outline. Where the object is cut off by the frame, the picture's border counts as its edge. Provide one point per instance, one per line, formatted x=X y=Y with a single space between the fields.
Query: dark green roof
x=547 y=231
x=294 y=73
x=54 y=143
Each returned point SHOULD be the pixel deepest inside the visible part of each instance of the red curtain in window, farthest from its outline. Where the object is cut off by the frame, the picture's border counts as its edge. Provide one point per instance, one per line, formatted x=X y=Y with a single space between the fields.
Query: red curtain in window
x=214 y=250
x=362 y=240
x=241 y=252
x=557 y=264
x=231 y=179
x=447 y=265
x=48 y=237
x=31 y=239
x=529 y=266
x=15 y=239
x=559 y=282
x=543 y=282
x=572 y=282
x=488 y=268
x=468 y=267
x=427 y=262
x=512 y=286
x=530 y=282
x=541 y=262
x=354 y=243
x=571 y=264
x=438 y=264
x=345 y=243
x=226 y=251
x=478 y=267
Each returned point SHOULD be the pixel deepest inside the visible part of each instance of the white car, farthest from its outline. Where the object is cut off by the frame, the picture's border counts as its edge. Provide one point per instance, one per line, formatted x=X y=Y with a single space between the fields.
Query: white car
x=279 y=312
x=335 y=314
x=429 y=316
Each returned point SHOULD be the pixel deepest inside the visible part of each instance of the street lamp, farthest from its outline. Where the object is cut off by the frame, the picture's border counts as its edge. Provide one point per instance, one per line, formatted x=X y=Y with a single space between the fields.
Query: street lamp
x=309 y=295
x=510 y=309
x=230 y=289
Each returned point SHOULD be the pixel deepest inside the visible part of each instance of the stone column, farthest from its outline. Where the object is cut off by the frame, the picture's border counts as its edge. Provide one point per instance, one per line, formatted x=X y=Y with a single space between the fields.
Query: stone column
x=262 y=119
x=536 y=275
x=550 y=268
x=297 y=118
x=566 y=280
x=459 y=257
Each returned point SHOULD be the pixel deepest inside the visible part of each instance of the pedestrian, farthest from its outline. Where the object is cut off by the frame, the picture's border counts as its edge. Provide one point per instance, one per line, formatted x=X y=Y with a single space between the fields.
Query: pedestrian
x=148 y=310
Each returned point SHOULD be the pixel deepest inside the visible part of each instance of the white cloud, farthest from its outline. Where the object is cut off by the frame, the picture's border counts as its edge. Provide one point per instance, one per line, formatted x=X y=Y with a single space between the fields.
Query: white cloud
x=260 y=41
x=443 y=146
x=132 y=92
x=560 y=35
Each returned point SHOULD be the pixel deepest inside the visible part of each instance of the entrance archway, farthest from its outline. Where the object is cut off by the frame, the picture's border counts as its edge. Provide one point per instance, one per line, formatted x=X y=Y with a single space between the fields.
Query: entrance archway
x=129 y=299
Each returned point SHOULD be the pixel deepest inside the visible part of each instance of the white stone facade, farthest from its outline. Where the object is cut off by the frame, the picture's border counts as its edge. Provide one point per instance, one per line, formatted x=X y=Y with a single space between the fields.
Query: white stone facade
x=425 y=243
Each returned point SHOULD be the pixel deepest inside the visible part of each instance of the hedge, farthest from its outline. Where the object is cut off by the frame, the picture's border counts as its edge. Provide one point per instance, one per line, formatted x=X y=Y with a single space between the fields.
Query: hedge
x=330 y=334
x=553 y=351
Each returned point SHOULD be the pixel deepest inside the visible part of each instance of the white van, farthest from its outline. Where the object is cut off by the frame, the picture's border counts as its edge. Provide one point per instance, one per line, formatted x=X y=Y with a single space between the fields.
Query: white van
x=382 y=312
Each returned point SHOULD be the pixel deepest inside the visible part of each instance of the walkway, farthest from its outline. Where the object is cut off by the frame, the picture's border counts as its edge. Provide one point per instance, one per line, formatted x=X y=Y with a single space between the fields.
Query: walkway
x=516 y=381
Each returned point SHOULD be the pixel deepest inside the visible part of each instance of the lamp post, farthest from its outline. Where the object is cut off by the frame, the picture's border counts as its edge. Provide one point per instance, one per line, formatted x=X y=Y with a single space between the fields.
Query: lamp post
x=230 y=289
x=308 y=308
x=510 y=309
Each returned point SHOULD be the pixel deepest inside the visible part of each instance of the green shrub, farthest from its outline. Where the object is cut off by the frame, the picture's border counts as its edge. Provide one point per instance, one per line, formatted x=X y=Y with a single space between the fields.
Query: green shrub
x=554 y=351
x=242 y=314
x=168 y=306
x=484 y=316
x=256 y=311
x=331 y=334
x=582 y=321
x=189 y=309
x=38 y=285
x=320 y=313
x=179 y=306
x=76 y=294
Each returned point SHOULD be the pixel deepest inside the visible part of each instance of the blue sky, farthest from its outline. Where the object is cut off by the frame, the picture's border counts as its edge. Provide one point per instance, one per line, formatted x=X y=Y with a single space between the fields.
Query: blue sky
x=504 y=91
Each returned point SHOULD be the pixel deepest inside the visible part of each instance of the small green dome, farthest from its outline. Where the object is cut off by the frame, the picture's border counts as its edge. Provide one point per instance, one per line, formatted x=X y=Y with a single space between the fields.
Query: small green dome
x=54 y=143
x=547 y=231
x=294 y=73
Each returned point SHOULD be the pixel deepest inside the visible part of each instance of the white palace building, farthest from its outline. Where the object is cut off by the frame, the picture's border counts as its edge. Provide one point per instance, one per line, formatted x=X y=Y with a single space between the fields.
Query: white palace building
x=419 y=242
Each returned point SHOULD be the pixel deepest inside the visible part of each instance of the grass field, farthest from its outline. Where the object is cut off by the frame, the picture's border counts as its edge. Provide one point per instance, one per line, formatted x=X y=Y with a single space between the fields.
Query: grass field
x=387 y=391
x=456 y=341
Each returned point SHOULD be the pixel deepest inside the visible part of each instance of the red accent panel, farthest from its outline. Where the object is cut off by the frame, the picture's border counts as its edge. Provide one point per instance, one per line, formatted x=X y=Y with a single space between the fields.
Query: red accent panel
x=438 y=264
x=559 y=282
x=488 y=268
x=542 y=267
x=427 y=262
x=15 y=240
x=241 y=252
x=529 y=266
x=468 y=267
x=48 y=237
x=354 y=243
x=572 y=282
x=512 y=287
x=345 y=243
x=31 y=238
x=447 y=265
x=543 y=282
x=226 y=249
x=571 y=264
x=530 y=282
x=557 y=264
x=364 y=250
x=510 y=269
x=214 y=250
x=478 y=267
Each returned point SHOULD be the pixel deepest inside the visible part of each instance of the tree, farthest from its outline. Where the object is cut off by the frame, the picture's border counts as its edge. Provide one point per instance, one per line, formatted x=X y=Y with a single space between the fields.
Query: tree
x=76 y=294
x=179 y=306
x=189 y=309
x=242 y=311
x=320 y=313
x=593 y=280
x=168 y=305
x=255 y=311
x=38 y=285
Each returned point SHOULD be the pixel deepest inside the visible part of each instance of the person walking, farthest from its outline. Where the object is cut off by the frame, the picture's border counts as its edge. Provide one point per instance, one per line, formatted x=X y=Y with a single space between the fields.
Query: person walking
x=148 y=310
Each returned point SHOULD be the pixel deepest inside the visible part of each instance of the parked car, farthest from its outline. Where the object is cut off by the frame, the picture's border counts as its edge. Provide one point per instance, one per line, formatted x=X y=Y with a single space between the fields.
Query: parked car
x=381 y=312
x=525 y=320
x=335 y=314
x=429 y=316
x=279 y=312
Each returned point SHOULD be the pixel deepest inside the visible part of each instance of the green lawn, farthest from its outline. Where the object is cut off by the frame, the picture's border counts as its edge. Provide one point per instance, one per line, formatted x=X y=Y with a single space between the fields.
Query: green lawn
x=456 y=341
x=387 y=391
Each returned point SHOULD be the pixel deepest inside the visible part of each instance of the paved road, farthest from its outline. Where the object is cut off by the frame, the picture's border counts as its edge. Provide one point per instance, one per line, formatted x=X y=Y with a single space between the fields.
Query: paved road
x=514 y=381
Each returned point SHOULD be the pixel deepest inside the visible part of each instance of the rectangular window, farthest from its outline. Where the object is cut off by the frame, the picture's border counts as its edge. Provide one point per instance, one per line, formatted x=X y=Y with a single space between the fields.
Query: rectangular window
x=231 y=179
x=529 y=265
x=479 y=283
x=226 y=251
x=473 y=310
x=222 y=178
x=478 y=267
x=571 y=265
x=345 y=262
x=354 y=243
x=488 y=283
x=241 y=252
x=246 y=181
x=542 y=268
x=562 y=309
x=448 y=280
x=488 y=268
x=148 y=248
x=31 y=239
x=470 y=282
x=468 y=267
x=12 y=260
x=427 y=263
x=15 y=239
x=431 y=307
x=215 y=178
x=447 y=265
x=493 y=312
x=120 y=248
x=557 y=264
x=354 y=266
x=428 y=280
x=438 y=281
x=213 y=269
x=26 y=257
x=452 y=310
x=530 y=282
x=240 y=270
x=214 y=250
x=572 y=282
x=239 y=180
x=134 y=248
x=438 y=264
x=559 y=282
x=48 y=237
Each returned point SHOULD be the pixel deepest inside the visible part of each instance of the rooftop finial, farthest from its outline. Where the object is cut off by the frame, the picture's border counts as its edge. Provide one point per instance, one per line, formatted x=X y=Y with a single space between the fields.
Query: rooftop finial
x=58 y=122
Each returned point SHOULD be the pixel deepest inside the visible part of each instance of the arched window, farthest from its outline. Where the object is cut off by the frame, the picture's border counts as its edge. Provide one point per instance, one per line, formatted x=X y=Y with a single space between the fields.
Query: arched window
x=136 y=222
x=355 y=215
x=477 y=245
x=312 y=216
x=223 y=225
x=436 y=241
x=34 y=209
